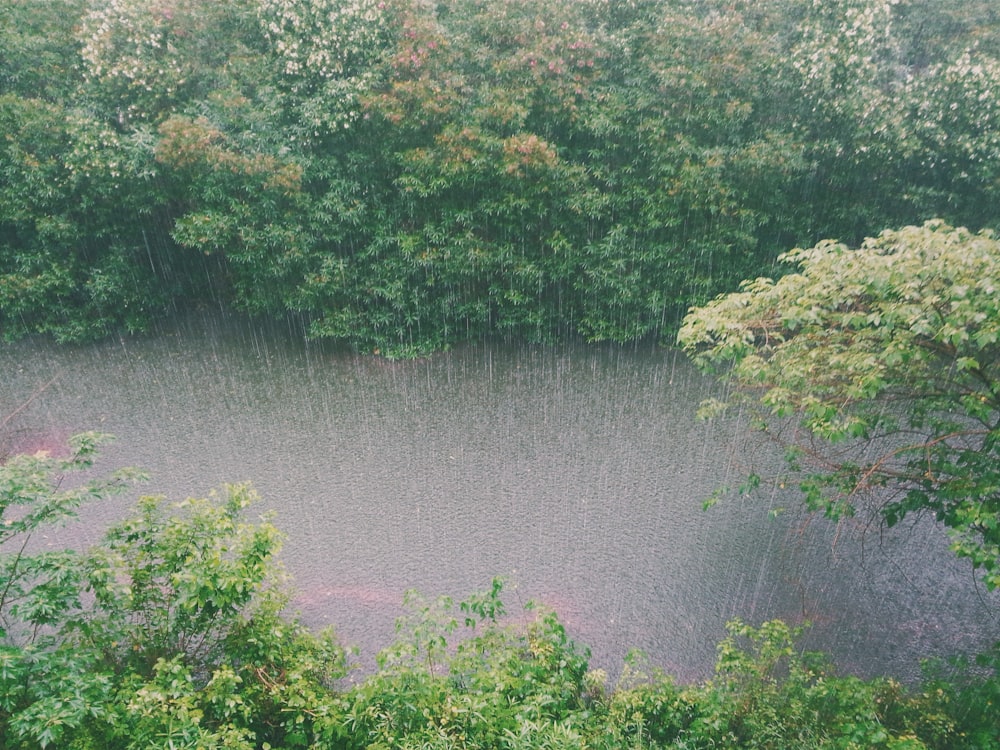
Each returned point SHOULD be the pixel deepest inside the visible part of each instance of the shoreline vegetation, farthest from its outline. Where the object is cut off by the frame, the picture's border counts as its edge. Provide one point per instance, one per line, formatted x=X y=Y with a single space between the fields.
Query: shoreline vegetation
x=172 y=633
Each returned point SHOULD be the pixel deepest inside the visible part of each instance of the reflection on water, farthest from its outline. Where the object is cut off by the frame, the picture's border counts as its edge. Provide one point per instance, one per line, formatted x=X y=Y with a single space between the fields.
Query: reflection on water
x=578 y=472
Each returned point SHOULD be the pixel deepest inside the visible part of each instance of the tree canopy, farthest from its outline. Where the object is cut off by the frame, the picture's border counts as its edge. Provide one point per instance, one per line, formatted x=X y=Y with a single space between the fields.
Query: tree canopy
x=879 y=369
x=403 y=174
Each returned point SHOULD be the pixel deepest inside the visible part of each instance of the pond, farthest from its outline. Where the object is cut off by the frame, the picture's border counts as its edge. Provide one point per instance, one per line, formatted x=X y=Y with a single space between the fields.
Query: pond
x=577 y=472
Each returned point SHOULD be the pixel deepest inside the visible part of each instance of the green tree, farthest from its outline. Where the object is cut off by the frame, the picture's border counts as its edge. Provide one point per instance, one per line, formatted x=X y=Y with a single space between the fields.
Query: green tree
x=143 y=60
x=80 y=219
x=39 y=588
x=879 y=369
x=38 y=49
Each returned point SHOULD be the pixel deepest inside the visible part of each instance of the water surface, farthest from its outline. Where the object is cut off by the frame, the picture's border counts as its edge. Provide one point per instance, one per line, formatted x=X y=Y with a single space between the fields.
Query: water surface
x=576 y=471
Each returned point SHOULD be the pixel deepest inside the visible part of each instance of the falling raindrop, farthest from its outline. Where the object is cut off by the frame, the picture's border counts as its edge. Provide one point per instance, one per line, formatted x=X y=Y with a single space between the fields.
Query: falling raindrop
x=582 y=468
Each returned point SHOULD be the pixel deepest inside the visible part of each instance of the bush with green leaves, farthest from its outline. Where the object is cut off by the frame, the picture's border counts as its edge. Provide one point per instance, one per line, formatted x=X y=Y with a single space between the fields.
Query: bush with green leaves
x=767 y=693
x=169 y=634
x=479 y=681
x=174 y=633
x=39 y=588
x=46 y=685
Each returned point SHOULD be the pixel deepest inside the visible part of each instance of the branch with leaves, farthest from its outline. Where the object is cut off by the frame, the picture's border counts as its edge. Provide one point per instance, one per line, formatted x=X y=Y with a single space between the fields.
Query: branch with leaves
x=887 y=361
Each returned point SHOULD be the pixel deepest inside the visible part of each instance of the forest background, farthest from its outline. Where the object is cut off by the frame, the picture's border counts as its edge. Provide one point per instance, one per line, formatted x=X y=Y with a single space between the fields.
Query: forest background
x=402 y=175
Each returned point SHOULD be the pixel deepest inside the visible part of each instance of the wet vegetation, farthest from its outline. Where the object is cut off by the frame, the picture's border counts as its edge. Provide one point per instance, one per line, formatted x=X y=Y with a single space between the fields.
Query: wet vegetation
x=405 y=174
x=171 y=634
x=402 y=175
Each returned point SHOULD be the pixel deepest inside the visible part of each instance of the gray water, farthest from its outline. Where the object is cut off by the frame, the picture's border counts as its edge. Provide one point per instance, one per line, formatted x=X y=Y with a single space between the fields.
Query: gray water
x=578 y=472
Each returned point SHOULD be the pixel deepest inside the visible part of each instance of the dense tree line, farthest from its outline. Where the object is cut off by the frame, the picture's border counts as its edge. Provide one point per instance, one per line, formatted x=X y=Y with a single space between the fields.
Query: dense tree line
x=171 y=634
x=404 y=174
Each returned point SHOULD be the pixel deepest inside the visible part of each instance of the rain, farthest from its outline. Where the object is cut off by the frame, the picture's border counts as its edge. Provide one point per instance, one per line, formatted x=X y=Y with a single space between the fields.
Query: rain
x=437 y=279
x=576 y=472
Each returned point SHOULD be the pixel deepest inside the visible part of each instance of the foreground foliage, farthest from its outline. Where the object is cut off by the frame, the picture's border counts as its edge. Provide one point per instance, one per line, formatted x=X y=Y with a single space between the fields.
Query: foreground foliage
x=167 y=635
x=171 y=634
x=405 y=174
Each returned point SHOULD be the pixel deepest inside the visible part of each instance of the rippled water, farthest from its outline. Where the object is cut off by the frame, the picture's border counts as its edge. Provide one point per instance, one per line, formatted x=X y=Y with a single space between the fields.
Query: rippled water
x=577 y=472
